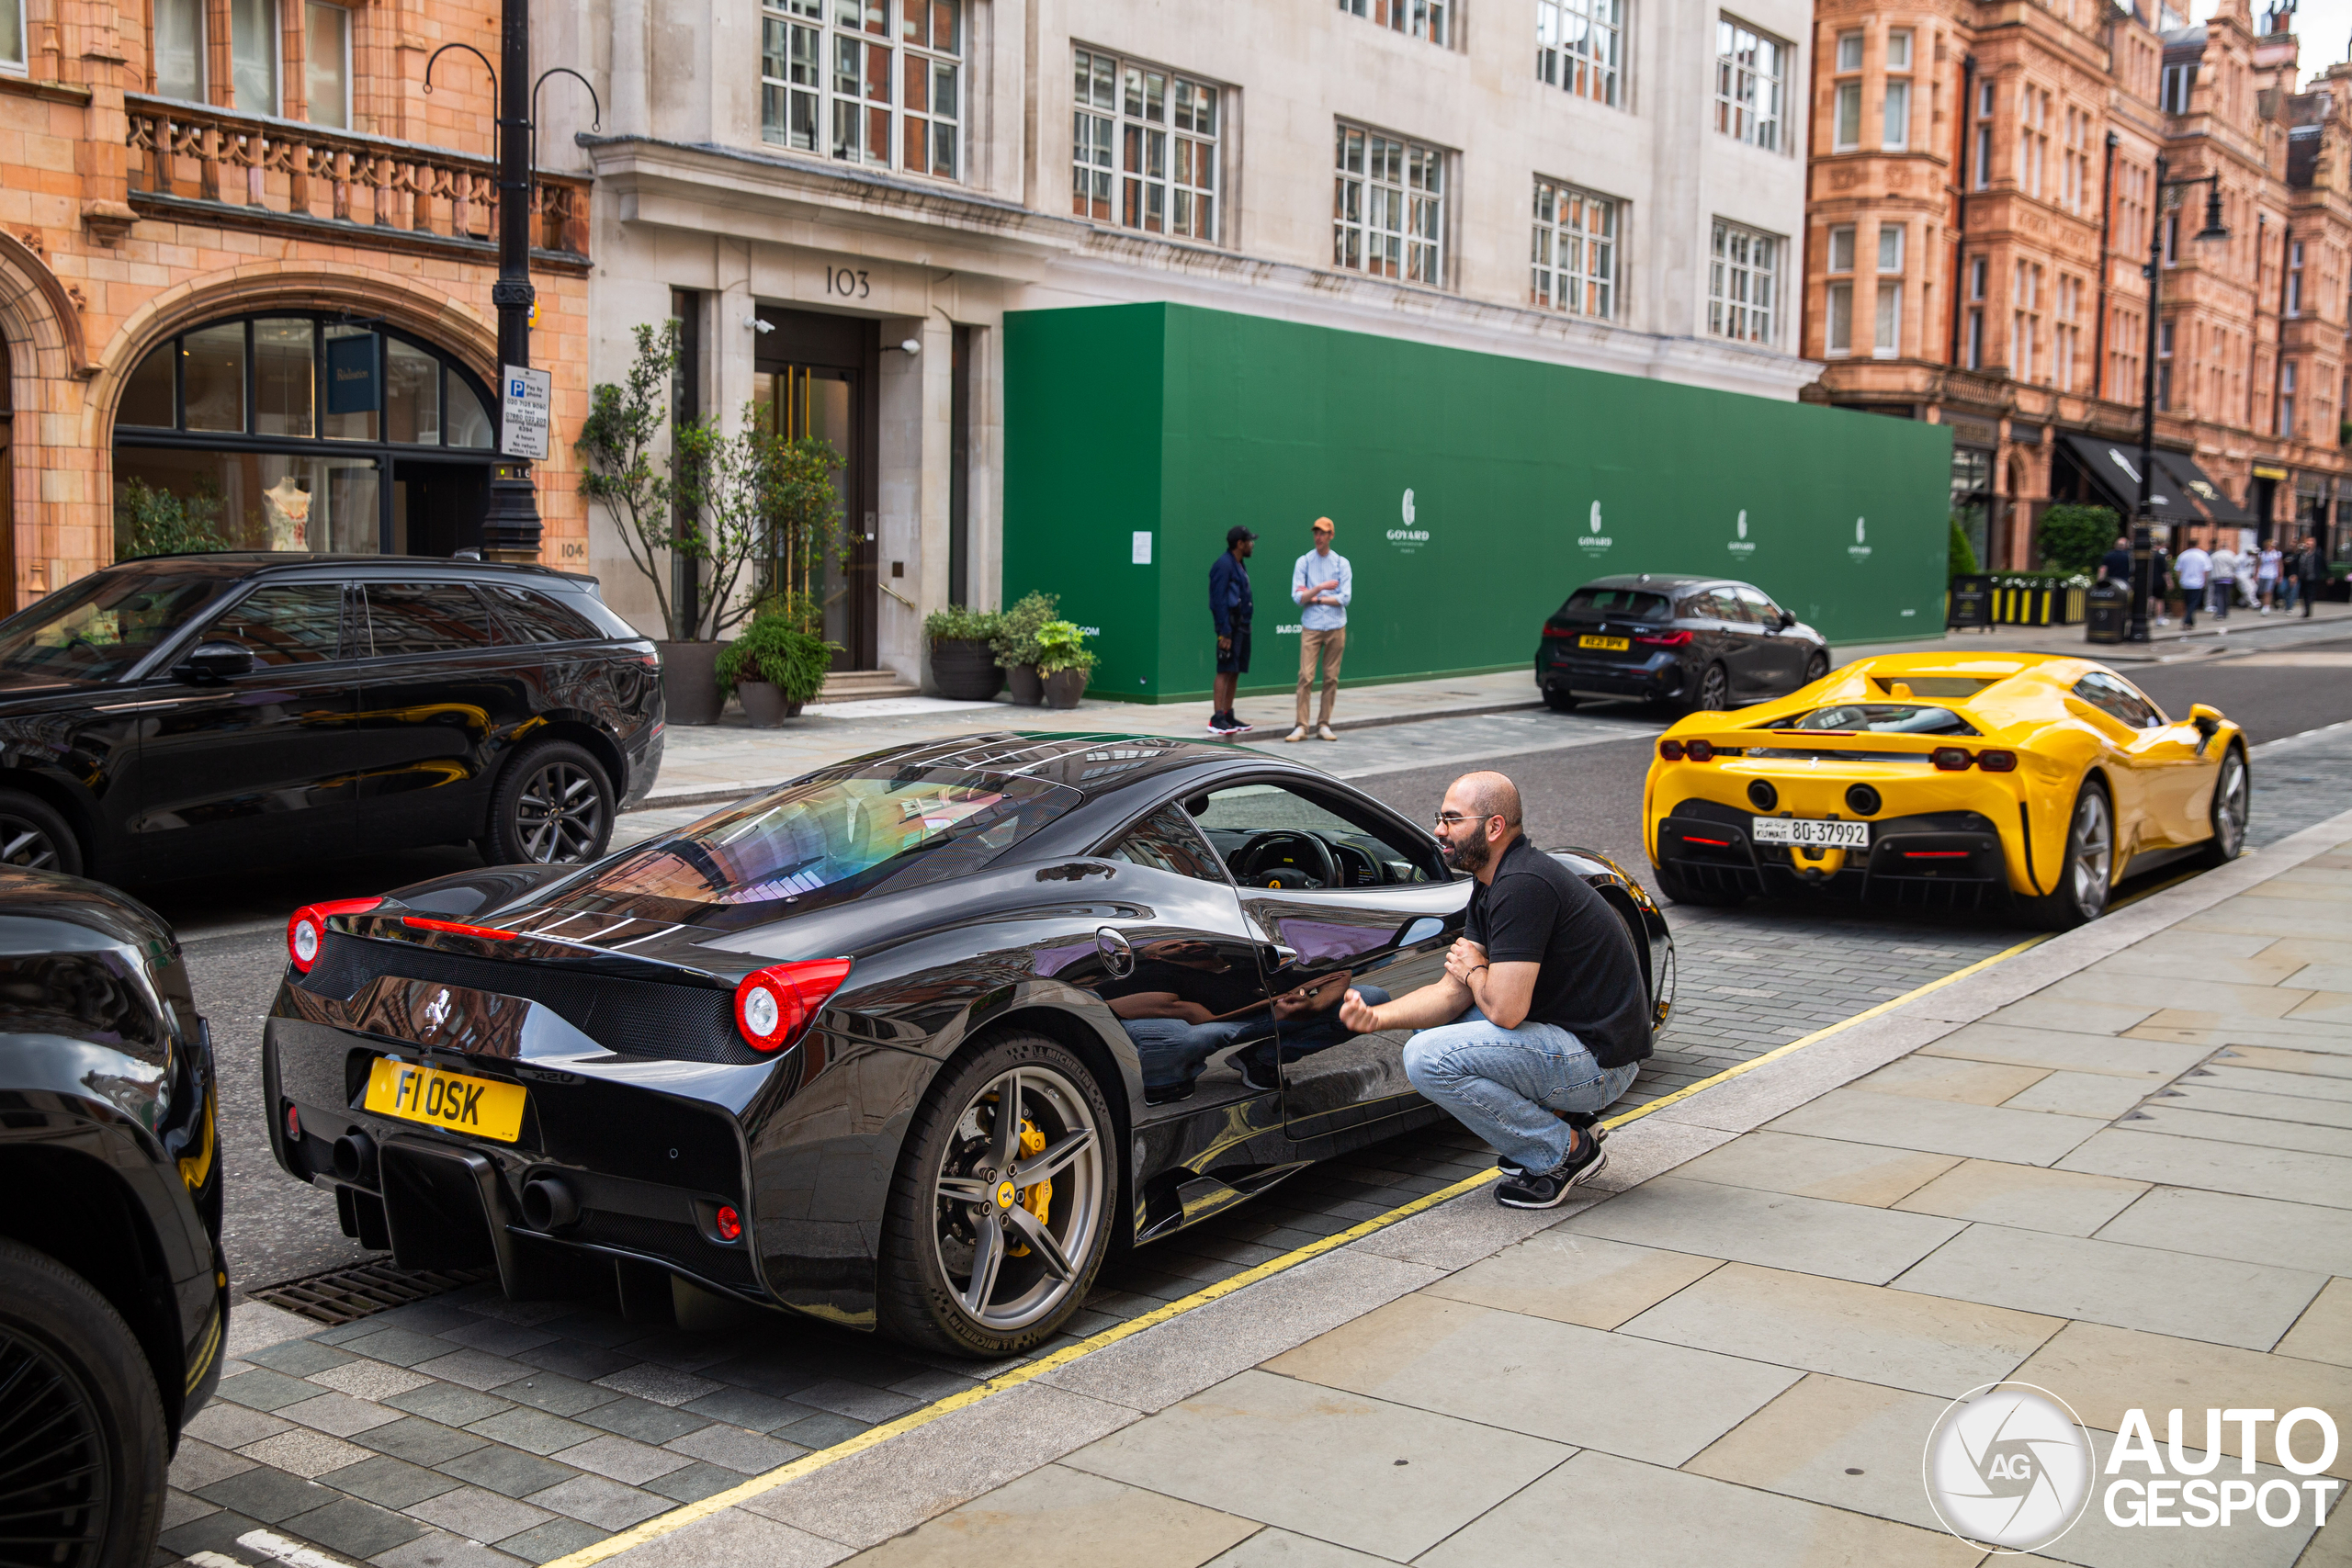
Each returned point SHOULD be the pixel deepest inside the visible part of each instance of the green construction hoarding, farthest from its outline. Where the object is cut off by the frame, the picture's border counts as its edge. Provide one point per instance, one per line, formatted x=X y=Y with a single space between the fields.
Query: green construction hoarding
x=1471 y=491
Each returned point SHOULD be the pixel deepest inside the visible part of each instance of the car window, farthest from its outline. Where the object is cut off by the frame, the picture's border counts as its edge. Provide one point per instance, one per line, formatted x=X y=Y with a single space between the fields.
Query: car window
x=424 y=617
x=1757 y=608
x=1630 y=602
x=2119 y=701
x=1167 y=841
x=1717 y=606
x=1879 y=718
x=292 y=623
x=100 y=628
x=525 y=615
x=1255 y=826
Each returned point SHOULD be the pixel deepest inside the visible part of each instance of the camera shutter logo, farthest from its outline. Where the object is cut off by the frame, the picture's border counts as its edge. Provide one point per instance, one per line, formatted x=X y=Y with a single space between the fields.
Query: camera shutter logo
x=2008 y=1467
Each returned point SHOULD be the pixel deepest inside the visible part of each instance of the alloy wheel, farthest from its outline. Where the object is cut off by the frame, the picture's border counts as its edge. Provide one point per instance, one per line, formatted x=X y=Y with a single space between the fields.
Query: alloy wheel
x=1018 y=1197
x=54 y=1464
x=2231 y=806
x=1815 y=668
x=559 y=815
x=1715 y=689
x=25 y=844
x=2094 y=858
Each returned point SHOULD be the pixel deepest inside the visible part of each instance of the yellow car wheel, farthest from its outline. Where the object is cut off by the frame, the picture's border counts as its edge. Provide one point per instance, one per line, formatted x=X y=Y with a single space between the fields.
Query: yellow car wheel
x=2086 y=872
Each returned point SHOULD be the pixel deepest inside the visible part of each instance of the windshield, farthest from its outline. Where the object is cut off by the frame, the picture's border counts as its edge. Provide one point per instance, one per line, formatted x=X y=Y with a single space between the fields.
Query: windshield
x=1881 y=718
x=1626 y=602
x=100 y=628
x=827 y=838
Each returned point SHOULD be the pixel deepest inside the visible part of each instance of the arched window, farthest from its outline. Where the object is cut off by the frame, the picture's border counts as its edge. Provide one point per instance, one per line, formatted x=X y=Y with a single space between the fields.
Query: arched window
x=300 y=433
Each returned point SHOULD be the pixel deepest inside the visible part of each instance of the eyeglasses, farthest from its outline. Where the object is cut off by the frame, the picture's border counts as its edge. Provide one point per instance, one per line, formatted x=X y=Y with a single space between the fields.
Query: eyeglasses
x=1448 y=818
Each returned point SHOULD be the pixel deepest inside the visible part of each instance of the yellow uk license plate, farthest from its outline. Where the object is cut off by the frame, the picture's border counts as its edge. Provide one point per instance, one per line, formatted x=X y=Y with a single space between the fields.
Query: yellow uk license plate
x=1614 y=644
x=483 y=1107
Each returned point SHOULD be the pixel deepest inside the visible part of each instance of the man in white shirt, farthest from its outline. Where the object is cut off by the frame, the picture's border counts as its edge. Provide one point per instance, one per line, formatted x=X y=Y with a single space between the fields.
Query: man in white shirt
x=1322 y=584
x=2222 y=578
x=2192 y=569
x=2266 y=577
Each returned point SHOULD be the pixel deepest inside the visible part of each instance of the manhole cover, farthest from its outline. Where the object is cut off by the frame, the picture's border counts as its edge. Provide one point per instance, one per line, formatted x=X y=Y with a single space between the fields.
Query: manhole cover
x=346 y=1295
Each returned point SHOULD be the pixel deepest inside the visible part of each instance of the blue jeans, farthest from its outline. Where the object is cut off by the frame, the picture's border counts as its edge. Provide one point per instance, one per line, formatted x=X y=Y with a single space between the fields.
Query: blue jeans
x=1506 y=1084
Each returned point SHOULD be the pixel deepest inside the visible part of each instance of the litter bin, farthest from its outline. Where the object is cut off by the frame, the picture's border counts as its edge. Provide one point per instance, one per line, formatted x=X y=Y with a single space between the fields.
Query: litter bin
x=2109 y=614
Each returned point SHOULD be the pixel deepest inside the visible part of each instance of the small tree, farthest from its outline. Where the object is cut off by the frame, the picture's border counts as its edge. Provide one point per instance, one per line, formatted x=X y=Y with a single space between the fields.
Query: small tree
x=801 y=510
x=619 y=448
x=161 y=524
x=2074 y=536
x=1962 y=554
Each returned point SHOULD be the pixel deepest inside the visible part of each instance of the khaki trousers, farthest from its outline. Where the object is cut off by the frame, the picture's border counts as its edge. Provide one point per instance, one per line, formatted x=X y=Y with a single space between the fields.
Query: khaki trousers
x=1329 y=644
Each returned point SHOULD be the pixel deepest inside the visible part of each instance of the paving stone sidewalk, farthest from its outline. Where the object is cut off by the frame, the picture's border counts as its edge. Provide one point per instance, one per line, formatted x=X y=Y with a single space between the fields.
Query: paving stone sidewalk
x=2118 y=1165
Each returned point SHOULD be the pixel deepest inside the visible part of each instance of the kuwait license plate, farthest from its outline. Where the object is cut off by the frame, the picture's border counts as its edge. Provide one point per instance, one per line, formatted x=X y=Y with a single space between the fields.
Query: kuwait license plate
x=483 y=1107
x=1613 y=644
x=1810 y=833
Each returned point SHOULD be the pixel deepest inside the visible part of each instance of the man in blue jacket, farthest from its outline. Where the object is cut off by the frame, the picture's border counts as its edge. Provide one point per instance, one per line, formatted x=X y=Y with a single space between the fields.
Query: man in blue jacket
x=1229 y=607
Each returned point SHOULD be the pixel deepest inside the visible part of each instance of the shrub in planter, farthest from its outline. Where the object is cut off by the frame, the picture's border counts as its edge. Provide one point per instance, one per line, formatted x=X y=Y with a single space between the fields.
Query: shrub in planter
x=963 y=664
x=776 y=654
x=1064 y=661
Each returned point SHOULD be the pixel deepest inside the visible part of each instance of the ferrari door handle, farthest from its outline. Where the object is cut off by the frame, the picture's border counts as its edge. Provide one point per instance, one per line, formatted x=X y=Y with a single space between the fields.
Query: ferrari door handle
x=1119 y=953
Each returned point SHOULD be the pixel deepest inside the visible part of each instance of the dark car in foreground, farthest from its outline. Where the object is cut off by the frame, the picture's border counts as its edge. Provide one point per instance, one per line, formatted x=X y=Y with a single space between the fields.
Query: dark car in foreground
x=114 y=1299
x=1700 y=643
x=907 y=1043
x=179 y=715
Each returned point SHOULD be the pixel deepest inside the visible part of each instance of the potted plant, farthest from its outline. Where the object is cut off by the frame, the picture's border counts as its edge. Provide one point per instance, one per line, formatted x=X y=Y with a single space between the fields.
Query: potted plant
x=774 y=666
x=1015 y=644
x=699 y=510
x=1064 y=661
x=963 y=665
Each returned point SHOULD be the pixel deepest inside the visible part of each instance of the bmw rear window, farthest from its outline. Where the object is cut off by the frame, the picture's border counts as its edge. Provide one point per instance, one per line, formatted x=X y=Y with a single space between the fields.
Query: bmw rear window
x=1630 y=603
x=840 y=834
x=1880 y=718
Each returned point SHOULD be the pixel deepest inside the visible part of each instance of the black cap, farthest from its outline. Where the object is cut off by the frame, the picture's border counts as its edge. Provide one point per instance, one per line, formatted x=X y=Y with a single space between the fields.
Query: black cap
x=1236 y=533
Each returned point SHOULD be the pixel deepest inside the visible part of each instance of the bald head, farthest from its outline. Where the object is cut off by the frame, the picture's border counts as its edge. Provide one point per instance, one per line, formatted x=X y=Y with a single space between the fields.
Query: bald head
x=1490 y=795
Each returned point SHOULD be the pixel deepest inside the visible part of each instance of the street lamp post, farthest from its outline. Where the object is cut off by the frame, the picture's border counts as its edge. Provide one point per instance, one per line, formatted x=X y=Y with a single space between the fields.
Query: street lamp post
x=2144 y=519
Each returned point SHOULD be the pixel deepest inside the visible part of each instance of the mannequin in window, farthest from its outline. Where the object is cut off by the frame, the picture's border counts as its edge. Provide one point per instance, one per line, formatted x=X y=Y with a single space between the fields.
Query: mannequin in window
x=287 y=507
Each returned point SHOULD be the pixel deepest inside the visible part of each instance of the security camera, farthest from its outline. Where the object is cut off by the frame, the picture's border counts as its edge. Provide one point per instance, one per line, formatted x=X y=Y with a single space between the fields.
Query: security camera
x=912 y=347
x=759 y=326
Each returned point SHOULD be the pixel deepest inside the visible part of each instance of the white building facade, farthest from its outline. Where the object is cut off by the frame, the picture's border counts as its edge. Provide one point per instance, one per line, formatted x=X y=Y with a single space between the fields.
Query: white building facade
x=1609 y=184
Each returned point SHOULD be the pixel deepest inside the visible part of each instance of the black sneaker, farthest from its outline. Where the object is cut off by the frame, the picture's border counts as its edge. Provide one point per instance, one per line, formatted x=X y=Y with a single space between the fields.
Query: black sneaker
x=1258 y=1075
x=1224 y=724
x=1236 y=725
x=1549 y=1189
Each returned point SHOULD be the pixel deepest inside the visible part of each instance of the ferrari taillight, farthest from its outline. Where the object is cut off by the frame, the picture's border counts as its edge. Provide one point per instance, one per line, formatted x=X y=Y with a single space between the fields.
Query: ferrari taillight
x=1670 y=751
x=1699 y=751
x=1997 y=761
x=1951 y=759
x=773 y=1005
x=306 y=929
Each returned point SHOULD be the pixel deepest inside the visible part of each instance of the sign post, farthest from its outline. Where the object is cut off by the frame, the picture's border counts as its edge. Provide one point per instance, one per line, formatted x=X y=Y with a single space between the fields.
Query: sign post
x=524 y=412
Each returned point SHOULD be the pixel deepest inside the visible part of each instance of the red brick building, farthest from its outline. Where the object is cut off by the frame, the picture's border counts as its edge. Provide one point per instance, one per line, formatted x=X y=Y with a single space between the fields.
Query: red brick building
x=245 y=261
x=1979 y=220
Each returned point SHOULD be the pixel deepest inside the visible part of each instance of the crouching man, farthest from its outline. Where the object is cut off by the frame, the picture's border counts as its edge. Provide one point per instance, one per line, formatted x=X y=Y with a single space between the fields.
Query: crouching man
x=1542 y=1013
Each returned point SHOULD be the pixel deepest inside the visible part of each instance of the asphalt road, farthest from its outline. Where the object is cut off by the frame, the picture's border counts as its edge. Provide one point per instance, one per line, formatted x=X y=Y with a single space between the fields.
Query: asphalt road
x=1586 y=794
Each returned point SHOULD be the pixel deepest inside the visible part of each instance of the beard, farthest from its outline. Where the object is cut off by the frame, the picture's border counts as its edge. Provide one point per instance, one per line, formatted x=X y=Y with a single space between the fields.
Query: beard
x=1470 y=857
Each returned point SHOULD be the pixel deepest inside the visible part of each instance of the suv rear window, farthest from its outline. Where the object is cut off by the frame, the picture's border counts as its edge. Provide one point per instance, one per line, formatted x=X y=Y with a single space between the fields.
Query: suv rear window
x=1630 y=603
x=840 y=834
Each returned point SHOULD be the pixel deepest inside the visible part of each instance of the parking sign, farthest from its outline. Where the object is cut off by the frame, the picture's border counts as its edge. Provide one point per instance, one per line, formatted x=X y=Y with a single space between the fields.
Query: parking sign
x=523 y=413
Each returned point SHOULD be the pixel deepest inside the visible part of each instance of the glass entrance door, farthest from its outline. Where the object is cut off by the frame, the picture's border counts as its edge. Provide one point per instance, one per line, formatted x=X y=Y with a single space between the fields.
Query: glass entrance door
x=836 y=569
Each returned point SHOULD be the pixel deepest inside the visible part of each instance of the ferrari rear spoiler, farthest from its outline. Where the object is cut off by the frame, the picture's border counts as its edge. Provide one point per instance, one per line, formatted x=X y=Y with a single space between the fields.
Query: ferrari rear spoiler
x=1949 y=753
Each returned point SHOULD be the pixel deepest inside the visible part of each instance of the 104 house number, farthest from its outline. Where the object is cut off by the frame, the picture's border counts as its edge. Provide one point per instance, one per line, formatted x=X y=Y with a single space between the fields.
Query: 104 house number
x=849 y=283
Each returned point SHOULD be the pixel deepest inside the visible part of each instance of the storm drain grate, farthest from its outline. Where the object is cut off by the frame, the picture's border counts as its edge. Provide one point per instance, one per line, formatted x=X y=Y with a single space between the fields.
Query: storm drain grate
x=346 y=1295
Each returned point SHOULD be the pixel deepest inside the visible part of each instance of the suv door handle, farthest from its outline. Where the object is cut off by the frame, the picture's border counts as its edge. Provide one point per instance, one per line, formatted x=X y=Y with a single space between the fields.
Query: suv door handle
x=1118 y=954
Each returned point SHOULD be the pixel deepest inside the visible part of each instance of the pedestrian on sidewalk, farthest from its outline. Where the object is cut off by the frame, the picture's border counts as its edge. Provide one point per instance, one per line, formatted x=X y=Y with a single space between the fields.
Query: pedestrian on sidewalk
x=2266 y=577
x=2191 y=568
x=2311 y=573
x=1542 y=1015
x=1322 y=582
x=1230 y=608
x=2159 y=577
x=2116 y=565
x=2222 y=579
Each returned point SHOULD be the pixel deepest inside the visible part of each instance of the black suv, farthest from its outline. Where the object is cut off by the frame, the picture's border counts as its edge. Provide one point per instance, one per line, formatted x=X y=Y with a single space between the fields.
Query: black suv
x=184 y=714
x=1696 y=642
x=114 y=1299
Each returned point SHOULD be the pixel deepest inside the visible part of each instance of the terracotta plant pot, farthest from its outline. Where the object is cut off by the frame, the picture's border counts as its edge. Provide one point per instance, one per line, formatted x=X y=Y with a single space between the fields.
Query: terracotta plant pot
x=965 y=671
x=1027 y=689
x=1063 y=687
x=690 y=682
x=765 y=705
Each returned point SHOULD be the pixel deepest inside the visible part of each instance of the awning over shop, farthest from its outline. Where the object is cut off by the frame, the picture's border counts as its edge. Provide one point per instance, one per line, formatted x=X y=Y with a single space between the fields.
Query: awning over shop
x=2182 y=492
x=2190 y=479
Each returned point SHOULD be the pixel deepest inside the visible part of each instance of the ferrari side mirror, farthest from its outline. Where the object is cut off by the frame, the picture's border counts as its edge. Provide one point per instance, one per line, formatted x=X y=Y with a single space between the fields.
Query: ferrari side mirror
x=2207 y=721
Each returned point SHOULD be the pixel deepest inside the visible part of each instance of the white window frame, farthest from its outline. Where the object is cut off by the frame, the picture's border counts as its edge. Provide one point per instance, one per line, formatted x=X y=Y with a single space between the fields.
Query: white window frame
x=1846 y=116
x=16 y=56
x=1580 y=48
x=1426 y=19
x=2286 y=399
x=1401 y=218
x=1751 y=103
x=310 y=103
x=1573 y=267
x=1146 y=163
x=1886 y=329
x=1849 y=52
x=1838 y=334
x=1890 y=248
x=1898 y=50
x=1840 y=251
x=1742 y=297
x=2294 y=277
x=1894 y=134
x=791 y=82
x=276 y=57
x=194 y=10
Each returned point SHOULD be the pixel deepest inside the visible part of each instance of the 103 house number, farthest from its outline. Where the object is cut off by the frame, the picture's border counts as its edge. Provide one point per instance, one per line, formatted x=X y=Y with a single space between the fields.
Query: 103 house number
x=849 y=282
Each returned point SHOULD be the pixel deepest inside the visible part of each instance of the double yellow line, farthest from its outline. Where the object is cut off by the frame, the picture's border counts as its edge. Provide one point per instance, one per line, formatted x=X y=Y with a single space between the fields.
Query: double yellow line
x=808 y=1464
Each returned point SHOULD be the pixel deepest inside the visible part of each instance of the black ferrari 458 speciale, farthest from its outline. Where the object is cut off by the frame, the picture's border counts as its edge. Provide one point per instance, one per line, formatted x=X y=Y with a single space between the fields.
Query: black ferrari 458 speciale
x=909 y=1043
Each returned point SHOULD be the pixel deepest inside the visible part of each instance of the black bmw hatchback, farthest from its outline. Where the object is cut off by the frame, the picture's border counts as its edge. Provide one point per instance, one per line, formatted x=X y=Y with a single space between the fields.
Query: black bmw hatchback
x=1701 y=643
x=182 y=714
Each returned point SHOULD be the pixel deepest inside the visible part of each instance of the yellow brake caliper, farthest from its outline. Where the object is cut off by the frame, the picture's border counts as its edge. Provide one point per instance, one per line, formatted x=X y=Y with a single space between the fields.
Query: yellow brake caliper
x=1040 y=1194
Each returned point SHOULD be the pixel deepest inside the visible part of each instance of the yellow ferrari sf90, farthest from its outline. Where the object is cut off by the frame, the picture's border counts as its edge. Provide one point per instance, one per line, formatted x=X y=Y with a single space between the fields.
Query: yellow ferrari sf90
x=1943 y=781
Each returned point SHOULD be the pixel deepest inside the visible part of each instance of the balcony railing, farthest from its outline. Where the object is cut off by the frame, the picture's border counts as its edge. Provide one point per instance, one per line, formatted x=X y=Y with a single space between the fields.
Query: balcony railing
x=244 y=170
